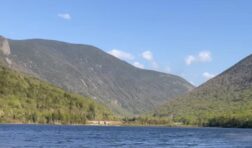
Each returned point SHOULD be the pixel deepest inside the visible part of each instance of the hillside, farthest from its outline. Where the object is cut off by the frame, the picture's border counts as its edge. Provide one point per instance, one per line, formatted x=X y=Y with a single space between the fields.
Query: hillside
x=224 y=101
x=25 y=99
x=91 y=72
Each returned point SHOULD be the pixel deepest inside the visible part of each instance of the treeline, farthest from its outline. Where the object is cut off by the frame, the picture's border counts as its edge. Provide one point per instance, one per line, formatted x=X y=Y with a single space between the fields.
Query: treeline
x=25 y=99
x=147 y=120
x=218 y=121
x=221 y=121
x=55 y=116
x=230 y=122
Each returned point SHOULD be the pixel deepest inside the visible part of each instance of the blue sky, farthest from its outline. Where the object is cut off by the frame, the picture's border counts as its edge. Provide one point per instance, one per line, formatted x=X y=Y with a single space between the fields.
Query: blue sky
x=195 y=39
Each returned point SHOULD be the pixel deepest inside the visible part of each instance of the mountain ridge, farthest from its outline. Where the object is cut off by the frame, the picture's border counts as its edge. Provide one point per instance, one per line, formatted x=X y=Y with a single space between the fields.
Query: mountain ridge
x=225 y=100
x=90 y=71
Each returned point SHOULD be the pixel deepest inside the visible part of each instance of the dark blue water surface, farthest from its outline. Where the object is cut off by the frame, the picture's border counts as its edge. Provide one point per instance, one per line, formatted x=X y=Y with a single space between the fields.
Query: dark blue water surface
x=94 y=136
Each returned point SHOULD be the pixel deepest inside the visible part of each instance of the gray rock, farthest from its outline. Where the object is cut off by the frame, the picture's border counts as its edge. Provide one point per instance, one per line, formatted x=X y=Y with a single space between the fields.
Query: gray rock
x=90 y=71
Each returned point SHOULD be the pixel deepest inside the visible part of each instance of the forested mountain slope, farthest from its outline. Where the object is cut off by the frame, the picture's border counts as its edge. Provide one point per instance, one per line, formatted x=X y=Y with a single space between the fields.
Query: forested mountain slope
x=225 y=100
x=25 y=99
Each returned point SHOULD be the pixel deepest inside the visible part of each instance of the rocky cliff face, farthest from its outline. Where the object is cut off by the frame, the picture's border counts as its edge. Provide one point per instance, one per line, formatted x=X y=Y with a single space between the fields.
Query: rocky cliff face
x=4 y=46
x=5 y=50
x=90 y=71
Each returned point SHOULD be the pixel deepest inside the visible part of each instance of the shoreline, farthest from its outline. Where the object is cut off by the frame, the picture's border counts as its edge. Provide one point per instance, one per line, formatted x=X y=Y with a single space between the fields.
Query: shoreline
x=122 y=125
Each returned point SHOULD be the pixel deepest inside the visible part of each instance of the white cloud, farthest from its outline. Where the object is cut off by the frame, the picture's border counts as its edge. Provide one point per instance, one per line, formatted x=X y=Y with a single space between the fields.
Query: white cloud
x=154 y=65
x=121 y=54
x=190 y=59
x=126 y=56
x=65 y=16
x=208 y=75
x=167 y=69
x=203 y=56
x=138 y=65
x=148 y=56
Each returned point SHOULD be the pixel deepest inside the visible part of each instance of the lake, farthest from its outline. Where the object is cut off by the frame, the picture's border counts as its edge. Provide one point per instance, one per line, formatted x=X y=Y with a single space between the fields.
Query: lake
x=94 y=136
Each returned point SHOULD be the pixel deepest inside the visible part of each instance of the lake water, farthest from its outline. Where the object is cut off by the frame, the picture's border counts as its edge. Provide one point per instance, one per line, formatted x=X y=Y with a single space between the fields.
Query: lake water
x=94 y=136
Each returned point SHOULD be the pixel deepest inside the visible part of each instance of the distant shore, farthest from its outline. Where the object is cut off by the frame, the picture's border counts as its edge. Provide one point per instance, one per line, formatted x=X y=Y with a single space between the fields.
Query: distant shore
x=91 y=123
x=111 y=124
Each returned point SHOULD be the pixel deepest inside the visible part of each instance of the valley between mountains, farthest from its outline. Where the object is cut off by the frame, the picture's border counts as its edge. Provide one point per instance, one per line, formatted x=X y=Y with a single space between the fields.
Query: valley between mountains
x=48 y=81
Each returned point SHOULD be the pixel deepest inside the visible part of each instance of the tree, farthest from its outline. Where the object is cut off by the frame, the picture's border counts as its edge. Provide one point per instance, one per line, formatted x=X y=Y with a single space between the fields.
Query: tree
x=91 y=112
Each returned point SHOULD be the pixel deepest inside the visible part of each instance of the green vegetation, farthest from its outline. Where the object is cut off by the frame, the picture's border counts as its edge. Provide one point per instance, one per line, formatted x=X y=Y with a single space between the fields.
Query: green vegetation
x=225 y=108
x=221 y=108
x=225 y=101
x=24 y=99
x=147 y=121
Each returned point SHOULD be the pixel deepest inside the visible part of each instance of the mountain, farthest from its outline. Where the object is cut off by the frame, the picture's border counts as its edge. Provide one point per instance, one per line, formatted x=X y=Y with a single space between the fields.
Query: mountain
x=25 y=99
x=91 y=72
x=225 y=100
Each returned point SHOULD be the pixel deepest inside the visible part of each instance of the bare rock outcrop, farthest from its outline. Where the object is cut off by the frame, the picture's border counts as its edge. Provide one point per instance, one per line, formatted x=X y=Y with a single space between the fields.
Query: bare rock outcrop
x=4 y=46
